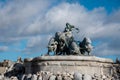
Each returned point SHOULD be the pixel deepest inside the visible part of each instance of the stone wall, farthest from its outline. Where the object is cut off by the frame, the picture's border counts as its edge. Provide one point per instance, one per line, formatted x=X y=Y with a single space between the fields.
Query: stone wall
x=84 y=64
x=63 y=68
x=2 y=70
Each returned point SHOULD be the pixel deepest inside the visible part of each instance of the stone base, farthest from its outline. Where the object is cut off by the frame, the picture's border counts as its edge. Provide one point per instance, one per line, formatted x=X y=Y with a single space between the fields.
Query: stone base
x=84 y=64
x=2 y=70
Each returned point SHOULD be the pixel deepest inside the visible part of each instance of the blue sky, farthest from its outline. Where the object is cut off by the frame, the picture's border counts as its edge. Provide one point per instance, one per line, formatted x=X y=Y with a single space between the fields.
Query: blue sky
x=27 y=25
x=109 y=5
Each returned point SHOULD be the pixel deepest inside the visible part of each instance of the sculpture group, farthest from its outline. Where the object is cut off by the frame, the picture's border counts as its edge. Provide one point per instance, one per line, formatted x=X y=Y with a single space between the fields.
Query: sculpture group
x=63 y=43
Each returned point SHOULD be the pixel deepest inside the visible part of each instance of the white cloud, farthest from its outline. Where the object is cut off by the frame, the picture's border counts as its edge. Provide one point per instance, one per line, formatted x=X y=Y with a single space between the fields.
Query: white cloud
x=114 y=17
x=38 y=21
x=36 y=43
x=3 y=48
x=91 y=23
x=16 y=15
x=105 y=49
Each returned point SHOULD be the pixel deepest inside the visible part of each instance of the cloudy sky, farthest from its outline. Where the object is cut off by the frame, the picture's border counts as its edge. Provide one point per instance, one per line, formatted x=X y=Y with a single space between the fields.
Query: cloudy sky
x=27 y=25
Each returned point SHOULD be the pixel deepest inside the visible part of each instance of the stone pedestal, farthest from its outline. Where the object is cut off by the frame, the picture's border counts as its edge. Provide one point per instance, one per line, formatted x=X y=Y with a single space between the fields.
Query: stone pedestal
x=2 y=70
x=84 y=64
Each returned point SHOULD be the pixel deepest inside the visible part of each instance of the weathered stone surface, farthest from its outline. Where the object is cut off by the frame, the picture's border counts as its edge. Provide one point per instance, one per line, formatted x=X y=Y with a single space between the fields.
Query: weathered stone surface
x=52 y=77
x=63 y=69
x=77 y=76
x=1 y=76
x=87 y=77
x=39 y=78
x=28 y=65
x=2 y=70
x=45 y=77
x=34 y=77
x=72 y=58
x=29 y=76
x=82 y=64
x=59 y=77
x=66 y=78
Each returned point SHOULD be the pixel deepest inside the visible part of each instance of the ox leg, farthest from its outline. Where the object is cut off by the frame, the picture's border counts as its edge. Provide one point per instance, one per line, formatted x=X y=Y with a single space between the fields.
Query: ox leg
x=88 y=53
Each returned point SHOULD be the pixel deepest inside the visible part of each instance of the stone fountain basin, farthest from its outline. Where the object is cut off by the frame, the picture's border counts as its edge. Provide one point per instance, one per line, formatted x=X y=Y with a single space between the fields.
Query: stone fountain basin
x=84 y=64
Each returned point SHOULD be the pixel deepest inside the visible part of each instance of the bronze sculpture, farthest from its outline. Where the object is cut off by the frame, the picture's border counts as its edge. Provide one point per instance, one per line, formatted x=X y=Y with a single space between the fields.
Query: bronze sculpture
x=64 y=44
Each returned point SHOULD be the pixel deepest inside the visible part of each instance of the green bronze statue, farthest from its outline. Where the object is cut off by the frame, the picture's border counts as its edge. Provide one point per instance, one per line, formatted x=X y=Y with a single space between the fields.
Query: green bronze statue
x=63 y=43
